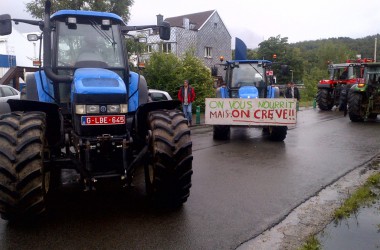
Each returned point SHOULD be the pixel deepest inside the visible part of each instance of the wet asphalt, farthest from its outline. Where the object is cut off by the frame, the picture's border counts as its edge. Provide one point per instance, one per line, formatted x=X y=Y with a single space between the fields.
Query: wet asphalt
x=241 y=187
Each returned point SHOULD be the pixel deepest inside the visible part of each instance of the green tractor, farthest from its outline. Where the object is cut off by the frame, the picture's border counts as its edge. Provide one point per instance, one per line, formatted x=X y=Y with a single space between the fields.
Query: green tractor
x=364 y=97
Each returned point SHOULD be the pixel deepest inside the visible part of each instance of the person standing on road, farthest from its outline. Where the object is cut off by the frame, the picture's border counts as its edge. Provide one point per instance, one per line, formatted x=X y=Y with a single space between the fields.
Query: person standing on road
x=186 y=95
x=292 y=91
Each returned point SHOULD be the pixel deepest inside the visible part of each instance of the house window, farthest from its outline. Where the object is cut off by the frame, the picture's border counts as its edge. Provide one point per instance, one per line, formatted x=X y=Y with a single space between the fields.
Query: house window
x=167 y=47
x=215 y=25
x=208 y=52
x=149 y=48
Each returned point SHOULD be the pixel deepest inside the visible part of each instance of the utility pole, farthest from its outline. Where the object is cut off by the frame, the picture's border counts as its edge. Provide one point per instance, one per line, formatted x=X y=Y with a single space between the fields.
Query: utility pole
x=292 y=74
x=374 y=56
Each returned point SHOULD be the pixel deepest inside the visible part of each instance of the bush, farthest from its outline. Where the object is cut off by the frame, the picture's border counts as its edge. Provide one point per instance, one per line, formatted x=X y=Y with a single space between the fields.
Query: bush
x=167 y=72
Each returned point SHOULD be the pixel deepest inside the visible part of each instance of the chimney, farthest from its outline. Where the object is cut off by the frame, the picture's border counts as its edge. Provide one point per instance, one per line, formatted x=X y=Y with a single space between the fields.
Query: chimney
x=160 y=19
x=186 y=23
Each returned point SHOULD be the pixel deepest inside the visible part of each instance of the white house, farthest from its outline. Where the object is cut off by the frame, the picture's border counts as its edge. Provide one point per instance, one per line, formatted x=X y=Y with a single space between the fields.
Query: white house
x=16 y=47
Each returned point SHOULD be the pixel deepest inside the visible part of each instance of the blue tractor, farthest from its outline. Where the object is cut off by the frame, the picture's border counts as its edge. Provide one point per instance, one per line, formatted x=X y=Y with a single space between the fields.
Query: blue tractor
x=85 y=110
x=247 y=79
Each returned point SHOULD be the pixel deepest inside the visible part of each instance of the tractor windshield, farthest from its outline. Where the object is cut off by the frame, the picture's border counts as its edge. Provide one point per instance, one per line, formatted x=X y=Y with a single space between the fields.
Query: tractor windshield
x=372 y=75
x=345 y=73
x=248 y=74
x=89 y=42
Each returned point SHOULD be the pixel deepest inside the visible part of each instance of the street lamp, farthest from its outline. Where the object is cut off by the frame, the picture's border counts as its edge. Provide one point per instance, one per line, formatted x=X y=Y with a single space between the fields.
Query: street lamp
x=292 y=75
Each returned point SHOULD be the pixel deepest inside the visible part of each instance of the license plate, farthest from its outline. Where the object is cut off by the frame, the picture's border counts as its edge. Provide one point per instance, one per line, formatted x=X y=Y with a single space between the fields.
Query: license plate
x=103 y=120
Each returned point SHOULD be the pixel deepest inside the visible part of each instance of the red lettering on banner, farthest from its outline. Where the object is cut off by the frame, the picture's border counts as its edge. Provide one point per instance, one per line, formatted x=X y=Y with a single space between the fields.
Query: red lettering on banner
x=255 y=114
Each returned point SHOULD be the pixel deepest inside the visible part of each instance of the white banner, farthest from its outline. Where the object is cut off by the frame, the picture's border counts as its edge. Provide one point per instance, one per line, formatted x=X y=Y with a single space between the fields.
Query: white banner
x=251 y=112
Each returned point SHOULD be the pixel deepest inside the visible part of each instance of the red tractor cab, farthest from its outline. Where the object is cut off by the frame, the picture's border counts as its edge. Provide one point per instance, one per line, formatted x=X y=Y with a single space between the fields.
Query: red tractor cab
x=342 y=76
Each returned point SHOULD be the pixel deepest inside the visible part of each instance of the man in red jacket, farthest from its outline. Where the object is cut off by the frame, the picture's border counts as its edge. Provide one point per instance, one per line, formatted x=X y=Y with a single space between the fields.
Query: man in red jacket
x=186 y=95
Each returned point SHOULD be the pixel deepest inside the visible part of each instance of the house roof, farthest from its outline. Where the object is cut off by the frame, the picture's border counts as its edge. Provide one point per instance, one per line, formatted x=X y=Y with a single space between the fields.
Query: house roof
x=196 y=19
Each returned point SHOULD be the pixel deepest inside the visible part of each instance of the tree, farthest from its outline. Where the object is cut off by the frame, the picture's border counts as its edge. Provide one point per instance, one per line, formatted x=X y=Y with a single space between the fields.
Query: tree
x=310 y=79
x=252 y=54
x=163 y=71
x=274 y=45
x=199 y=77
x=120 y=7
x=286 y=57
x=167 y=72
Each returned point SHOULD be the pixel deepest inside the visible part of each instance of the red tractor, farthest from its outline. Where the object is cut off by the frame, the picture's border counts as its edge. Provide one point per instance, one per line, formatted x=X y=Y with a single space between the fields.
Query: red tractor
x=333 y=91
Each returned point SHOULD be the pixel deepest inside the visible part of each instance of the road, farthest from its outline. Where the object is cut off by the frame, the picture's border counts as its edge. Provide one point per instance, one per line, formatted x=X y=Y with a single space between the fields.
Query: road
x=241 y=187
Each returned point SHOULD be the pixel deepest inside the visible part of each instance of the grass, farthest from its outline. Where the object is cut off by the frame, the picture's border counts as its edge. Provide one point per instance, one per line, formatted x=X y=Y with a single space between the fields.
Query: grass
x=311 y=244
x=308 y=103
x=362 y=196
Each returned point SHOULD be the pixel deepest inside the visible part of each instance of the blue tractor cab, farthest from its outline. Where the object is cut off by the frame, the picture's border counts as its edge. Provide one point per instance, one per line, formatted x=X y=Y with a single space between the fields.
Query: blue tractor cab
x=249 y=79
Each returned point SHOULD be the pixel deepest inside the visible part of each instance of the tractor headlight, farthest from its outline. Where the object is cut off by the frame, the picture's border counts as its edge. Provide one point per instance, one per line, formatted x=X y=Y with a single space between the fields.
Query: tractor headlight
x=92 y=109
x=116 y=108
x=80 y=109
x=71 y=20
x=106 y=22
x=113 y=108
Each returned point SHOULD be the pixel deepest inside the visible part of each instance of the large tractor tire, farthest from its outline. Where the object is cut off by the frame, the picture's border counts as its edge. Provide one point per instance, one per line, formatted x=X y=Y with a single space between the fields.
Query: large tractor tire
x=277 y=133
x=324 y=100
x=24 y=182
x=169 y=169
x=356 y=111
x=221 y=132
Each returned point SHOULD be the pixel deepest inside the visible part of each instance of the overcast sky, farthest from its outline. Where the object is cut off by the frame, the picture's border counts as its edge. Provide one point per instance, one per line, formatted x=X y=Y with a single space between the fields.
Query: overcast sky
x=254 y=21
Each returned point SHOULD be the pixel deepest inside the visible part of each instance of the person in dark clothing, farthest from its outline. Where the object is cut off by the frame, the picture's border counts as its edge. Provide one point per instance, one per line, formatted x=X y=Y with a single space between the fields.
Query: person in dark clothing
x=344 y=75
x=186 y=95
x=292 y=91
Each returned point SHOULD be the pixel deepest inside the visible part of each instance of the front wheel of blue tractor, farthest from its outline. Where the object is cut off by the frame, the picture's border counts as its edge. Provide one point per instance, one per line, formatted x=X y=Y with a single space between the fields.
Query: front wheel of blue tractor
x=169 y=169
x=277 y=133
x=24 y=181
x=221 y=132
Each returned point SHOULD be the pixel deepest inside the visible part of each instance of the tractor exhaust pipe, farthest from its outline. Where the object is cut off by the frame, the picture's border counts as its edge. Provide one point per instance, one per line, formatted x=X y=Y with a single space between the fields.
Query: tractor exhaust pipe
x=47 y=48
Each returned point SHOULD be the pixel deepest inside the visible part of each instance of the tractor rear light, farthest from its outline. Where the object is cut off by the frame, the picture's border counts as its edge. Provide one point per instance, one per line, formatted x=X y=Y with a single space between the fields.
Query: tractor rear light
x=92 y=109
x=113 y=108
x=123 y=108
x=80 y=109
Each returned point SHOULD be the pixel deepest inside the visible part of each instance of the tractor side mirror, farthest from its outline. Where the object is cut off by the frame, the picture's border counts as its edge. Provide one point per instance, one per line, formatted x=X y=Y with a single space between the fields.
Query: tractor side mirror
x=5 y=25
x=164 y=31
x=142 y=39
x=32 y=37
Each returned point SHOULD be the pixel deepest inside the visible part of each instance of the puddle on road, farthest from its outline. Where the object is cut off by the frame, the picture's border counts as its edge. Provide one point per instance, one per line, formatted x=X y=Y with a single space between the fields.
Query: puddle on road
x=359 y=231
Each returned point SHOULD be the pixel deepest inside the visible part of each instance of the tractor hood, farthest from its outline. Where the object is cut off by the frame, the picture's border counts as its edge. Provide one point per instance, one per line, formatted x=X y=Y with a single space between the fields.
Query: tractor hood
x=248 y=92
x=95 y=85
x=97 y=81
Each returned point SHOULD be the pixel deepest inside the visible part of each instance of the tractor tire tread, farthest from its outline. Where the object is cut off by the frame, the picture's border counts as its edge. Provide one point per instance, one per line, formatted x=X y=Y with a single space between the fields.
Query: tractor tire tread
x=22 y=180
